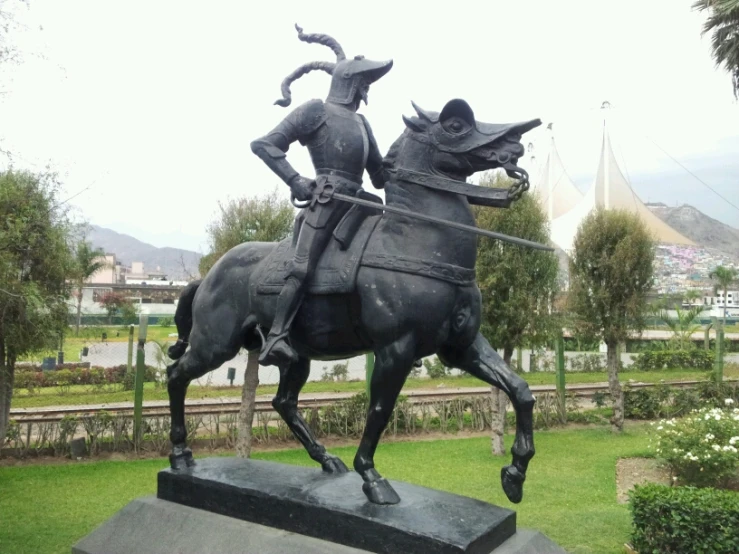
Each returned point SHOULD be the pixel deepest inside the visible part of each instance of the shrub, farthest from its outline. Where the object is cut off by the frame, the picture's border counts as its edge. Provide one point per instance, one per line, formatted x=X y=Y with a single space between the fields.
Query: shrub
x=435 y=369
x=587 y=363
x=702 y=448
x=166 y=321
x=646 y=403
x=678 y=520
x=674 y=359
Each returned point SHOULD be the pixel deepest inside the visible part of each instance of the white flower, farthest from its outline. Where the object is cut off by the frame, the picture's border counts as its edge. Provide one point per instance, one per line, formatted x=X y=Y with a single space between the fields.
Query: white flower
x=716 y=447
x=729 y=449
x=733 y=440
x=659 y=428
x=710 y=436
x=729 y=401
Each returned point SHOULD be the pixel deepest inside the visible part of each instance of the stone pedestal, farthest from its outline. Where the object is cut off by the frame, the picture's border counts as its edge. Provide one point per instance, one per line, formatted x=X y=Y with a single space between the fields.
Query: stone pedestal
x=235 y=505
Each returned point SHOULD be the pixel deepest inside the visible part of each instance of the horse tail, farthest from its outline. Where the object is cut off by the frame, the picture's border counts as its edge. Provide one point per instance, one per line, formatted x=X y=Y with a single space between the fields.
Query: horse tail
x=183 y=320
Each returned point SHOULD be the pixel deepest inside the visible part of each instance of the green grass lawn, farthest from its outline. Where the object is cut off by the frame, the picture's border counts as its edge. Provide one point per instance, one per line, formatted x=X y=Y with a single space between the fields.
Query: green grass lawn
x=570 y=491
x=91 y=335
x=81 y=394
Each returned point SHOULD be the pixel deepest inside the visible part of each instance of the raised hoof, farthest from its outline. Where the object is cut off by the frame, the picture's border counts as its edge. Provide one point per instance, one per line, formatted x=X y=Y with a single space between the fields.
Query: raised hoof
x=512 y=481
x=177 y=349
x=334 y=465
x=181 y=458
x=380 y=492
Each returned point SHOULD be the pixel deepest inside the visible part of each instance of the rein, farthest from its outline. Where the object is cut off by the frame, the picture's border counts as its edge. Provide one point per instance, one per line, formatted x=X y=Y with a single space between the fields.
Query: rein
x=482 y=196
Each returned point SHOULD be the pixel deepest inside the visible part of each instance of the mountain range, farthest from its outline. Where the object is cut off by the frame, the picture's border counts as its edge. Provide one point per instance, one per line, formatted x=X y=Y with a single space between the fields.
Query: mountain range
x=699 y=227
x=176 y=263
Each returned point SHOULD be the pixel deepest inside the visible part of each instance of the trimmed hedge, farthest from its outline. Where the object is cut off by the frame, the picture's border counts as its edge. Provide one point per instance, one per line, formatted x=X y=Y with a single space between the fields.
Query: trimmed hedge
x=33 y=366
x=681 y=520
x=32 y=379
x=695 y=358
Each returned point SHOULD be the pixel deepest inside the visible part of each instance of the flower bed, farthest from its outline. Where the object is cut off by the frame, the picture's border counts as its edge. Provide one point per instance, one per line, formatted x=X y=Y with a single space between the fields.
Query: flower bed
x=702 y=448
x=32 y=379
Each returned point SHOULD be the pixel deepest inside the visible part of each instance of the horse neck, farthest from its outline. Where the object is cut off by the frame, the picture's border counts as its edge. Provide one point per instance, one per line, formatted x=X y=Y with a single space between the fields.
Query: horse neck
x=428 y=240
x=416 y=156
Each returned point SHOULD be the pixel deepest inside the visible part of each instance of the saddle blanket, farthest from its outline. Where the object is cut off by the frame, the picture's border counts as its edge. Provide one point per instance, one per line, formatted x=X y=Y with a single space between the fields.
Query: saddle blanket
x=337 y=268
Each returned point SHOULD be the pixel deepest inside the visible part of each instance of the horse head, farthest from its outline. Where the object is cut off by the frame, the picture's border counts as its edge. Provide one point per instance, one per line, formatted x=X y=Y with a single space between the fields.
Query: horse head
x=453 y=144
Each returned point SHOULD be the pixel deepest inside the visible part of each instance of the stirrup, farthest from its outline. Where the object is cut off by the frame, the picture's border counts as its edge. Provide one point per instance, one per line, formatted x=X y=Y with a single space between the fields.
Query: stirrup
x=276 y=350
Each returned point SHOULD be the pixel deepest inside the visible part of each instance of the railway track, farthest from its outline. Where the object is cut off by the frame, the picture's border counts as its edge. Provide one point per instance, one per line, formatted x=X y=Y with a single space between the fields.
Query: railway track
x=317 y=400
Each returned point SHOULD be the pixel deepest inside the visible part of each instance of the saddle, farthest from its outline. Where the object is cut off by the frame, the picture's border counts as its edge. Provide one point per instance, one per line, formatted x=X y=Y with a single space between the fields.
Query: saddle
x=338 y=265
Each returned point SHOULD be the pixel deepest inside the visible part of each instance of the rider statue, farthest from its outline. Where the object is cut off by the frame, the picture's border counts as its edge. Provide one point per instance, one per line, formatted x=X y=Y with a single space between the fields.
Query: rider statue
x=341 y=147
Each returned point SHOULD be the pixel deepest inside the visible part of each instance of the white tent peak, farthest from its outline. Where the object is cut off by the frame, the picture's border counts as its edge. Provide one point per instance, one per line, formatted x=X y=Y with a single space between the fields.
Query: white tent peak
x=611 y=190
x=555 y=190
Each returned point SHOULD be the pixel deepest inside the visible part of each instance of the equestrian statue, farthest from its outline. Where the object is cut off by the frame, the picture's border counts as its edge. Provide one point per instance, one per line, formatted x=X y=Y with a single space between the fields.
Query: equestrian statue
x=359 y=275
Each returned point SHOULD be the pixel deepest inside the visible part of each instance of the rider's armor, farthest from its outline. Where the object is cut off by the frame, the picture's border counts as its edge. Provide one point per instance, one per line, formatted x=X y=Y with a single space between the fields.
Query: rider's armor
x=341 y=146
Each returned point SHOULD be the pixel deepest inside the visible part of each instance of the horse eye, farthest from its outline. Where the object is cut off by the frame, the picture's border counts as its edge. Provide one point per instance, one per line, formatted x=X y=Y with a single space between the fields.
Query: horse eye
x=456 y=126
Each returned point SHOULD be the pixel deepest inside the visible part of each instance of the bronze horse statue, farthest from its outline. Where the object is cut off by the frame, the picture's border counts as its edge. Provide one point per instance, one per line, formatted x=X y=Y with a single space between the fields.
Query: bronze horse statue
x=409 y=293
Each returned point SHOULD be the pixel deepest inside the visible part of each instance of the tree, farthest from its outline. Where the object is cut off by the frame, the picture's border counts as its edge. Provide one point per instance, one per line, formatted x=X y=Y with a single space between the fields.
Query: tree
x=35 y=261
x=611 y=272
x=724 y=277
x=265 y=219
x=114 y=302
x=88 y=261
x=723 y=24
x=518 y=284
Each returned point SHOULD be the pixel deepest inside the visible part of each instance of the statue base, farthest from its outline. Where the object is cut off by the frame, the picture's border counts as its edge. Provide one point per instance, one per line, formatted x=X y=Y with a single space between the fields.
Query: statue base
x=235 y=505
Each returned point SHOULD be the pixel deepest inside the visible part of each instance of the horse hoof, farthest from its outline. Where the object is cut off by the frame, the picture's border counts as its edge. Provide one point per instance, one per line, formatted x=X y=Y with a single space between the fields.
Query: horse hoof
x=334 y=465
x=512 y=481
x=181 y=458
x=177 y=349
x=380 y=492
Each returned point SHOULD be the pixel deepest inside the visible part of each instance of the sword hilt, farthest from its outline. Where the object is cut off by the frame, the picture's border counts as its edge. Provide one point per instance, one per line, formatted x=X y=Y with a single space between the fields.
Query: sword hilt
x=321 y=194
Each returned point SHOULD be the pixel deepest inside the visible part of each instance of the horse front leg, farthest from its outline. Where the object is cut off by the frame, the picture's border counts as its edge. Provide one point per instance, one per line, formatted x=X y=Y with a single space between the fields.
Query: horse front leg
x=392 y=366
x=482 y=361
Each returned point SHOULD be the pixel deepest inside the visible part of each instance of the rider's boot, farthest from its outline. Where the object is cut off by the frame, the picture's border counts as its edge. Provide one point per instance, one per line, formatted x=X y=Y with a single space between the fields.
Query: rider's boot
x=276 y=350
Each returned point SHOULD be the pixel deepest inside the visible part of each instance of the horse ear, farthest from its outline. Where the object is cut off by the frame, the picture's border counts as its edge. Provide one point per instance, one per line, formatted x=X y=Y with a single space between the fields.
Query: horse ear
x=414 y=124
x=423 y=114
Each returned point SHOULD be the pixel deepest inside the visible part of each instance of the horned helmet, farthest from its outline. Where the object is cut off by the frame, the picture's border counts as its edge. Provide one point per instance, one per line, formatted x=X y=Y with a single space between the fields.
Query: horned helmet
x=349 y=77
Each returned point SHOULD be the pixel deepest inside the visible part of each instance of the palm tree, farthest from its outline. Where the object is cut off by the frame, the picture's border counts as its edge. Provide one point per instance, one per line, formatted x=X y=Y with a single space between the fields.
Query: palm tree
x=724 y=278
x=723 y=24
x=682 y=325
x=87 y=262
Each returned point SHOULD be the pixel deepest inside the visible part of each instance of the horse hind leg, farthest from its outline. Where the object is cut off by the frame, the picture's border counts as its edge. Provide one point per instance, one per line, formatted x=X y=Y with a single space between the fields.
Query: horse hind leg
x=191 y=365
x=285 y=403
x=482 y=361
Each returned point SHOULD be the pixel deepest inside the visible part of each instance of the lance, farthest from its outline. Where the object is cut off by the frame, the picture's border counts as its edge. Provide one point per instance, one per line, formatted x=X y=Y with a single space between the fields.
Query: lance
x=328 y=193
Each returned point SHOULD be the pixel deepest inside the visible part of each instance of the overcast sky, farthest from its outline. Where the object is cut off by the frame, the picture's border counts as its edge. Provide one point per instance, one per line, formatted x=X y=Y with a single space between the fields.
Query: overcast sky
x=152 y=105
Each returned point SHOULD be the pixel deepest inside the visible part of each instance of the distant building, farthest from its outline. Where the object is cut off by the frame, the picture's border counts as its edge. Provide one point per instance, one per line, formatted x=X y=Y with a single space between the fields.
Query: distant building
x=731 y=301
x=139 y=275
x=110 y=273
x=719 y=304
